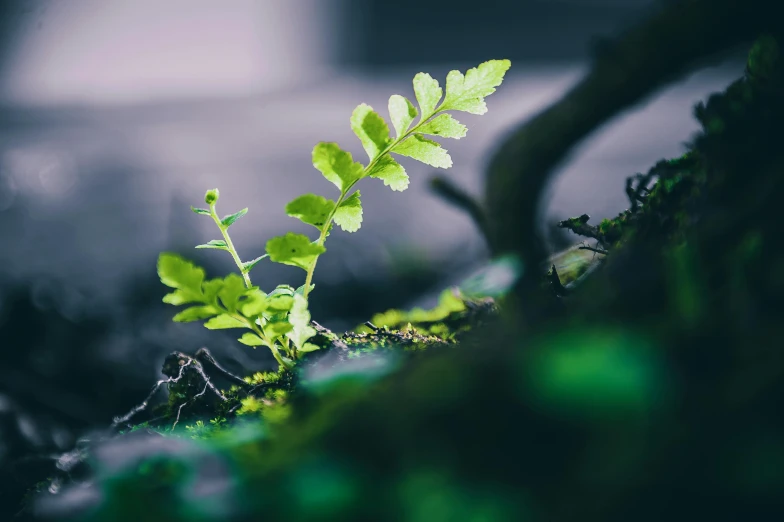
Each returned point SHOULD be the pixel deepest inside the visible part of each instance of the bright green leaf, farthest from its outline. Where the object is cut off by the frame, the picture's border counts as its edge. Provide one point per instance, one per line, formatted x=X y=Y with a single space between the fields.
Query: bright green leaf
x=390 y=172
x=211 y=290
x=311 y=209
x=202 y=211
x=293 y=249
x=251 y=339
x=180 y=297
x=195 y=313
x=428 y=93
x=467 y=93
x=176 y=272
x=224 y=321
x=277 y=329
x=444 y=125
x=299 y=318
x=336 y=165
x=229 y=220
x=233 y=289
x=247 y=266
x=427 y=151
x=255 y=303
x=283 y=290
x=371 y=129
x=308 y=347
x=301 y=289
x=215 y=243
x=279 y=303
x=402 y=112
x=349 y=214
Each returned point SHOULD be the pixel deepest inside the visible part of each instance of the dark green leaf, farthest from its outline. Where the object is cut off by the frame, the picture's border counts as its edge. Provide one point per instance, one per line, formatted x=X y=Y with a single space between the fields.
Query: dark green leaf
x=202 y=211
x=215 y=243
x=247 y=266
x=229 y=220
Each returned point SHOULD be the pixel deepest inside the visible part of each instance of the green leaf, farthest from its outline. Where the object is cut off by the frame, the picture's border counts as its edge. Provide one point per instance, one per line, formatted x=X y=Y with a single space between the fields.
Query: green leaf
x=211 y=290
x=279 y=303
x=247 y=266
x=251 y=339
x=444 y=125
x=293 y=249
x=176 y=272
x=229 y=220
x=402 y=112
x=349 y=214
x=202 y=211
x=371 y=129
x=299 y=318
x=180 y=297
x=215 y=243
x=308 y=347
x=390 y=172
x=336 y=165
x=277 y=329
x=427 y=151
x=467 y=93
x=233 y=289
x=301 y=289
x=428 y=93
x=311 y=209
x=195 y=313
x=255 y=303
x=224 y=321
x=283 y=290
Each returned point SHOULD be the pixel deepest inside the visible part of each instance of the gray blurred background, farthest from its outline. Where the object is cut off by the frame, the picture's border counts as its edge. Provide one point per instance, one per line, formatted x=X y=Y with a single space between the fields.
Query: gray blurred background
x=117 y=115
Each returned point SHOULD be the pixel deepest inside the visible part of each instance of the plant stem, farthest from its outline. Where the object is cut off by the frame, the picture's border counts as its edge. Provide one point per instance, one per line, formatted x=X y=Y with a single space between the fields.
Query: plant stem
x=230 y=246
x=344 y=193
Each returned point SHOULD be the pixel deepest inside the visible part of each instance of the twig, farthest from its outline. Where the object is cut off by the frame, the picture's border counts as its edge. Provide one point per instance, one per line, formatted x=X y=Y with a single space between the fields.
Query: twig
x=330 y=336
x=144 y=404
x=555 y=283
x=635 y=66
x=597 y=250
x=204 y=356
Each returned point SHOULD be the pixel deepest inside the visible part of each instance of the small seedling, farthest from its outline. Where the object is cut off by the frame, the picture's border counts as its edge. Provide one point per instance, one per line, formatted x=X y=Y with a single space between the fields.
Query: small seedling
x=280 y=320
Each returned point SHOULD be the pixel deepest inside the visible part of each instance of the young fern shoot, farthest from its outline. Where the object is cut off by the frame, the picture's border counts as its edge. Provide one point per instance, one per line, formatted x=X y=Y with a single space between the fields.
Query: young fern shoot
x=463 y=93
x=280 y=320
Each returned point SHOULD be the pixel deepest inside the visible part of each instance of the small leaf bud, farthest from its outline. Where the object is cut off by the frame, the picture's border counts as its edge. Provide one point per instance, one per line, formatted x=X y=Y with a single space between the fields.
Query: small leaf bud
x=211 y=196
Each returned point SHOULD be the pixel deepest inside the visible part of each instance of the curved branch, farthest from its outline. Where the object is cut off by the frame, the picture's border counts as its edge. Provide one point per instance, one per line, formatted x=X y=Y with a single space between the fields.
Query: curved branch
x=646 y=58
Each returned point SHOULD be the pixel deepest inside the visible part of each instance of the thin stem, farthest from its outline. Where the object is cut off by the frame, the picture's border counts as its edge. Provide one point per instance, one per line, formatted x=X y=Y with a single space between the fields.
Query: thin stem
x=230 y=246
x=344 y=193
x=258 y=331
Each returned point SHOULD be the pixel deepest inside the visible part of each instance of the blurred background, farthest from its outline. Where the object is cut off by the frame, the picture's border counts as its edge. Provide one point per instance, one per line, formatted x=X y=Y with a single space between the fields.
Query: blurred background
x=116 y=116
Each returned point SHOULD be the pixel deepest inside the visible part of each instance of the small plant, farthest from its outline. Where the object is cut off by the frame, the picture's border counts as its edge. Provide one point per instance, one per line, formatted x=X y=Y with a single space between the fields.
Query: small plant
x=280 y=320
